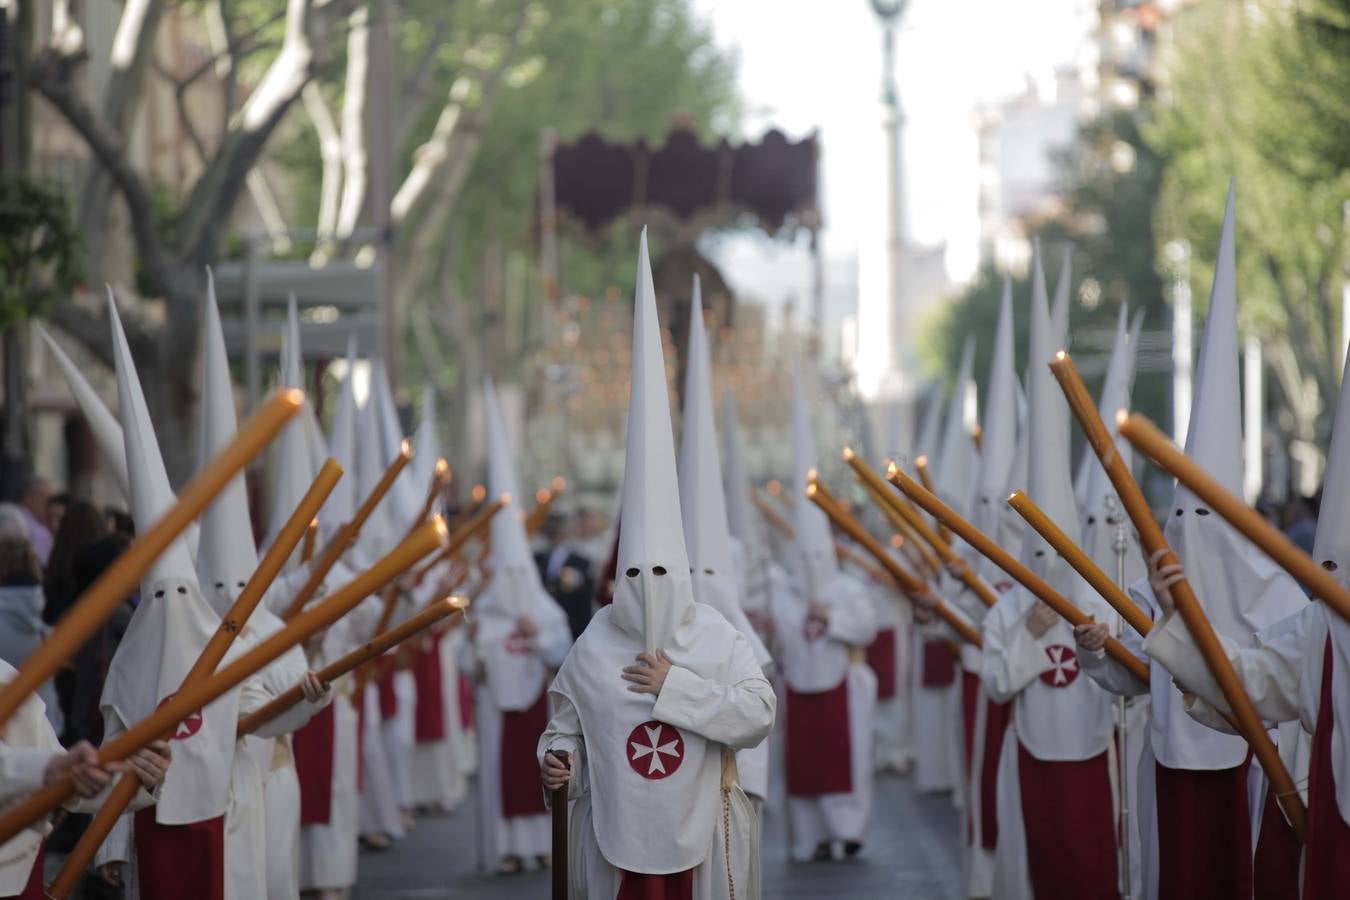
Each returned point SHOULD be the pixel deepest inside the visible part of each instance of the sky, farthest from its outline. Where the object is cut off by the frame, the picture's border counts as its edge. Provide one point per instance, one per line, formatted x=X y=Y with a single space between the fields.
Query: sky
x=817 y=64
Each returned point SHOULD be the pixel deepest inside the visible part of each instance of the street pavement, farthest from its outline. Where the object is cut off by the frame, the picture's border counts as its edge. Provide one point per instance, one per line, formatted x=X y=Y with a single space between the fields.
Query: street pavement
x=913 y=853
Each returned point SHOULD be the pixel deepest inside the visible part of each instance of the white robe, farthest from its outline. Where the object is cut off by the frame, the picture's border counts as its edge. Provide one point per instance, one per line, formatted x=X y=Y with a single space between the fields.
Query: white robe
x=379 y=792
x=735 y=711
x=440 y=769
x=499 y=837
x=398 y=733
x=328 y=852
x=892 y=732
x=1052 y=721
x=822 y=664
x=936 y=709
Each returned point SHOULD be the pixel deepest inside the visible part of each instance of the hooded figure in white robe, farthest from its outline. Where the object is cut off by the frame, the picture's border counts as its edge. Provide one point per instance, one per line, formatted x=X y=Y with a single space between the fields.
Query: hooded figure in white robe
x=325 y=749
x=707 y=534
x=519 y=637
x=824 y=622
x=262 y=823
x=935 y=671
x=1198 y=774
x=167 y=632
x=656 y=803
x=1112 y=543
x=1294 y=672
x=1056 y=817
x=437 y=774
x=990 y=515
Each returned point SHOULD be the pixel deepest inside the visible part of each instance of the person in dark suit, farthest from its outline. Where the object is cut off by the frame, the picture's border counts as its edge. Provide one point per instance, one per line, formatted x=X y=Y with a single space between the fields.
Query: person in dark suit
x=568 y=576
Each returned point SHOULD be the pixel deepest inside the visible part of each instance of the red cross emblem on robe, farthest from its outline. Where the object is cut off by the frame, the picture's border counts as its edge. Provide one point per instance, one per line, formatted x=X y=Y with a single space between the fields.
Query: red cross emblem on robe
x=1063 y=666
x=189 y=726
x=655 y=750
x=813 y=629
x=517 y=644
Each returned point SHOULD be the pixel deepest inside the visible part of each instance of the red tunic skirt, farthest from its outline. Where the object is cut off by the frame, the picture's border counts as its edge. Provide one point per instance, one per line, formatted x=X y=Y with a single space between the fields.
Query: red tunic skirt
x=1327 y=863
x=1069 y=817
x=178 y=861
x=313 y=745
x=819 y=747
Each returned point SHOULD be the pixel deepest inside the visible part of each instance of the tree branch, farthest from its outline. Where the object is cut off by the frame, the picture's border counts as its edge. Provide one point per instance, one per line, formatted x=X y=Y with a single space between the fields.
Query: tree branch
x=50 y=74
x=415 y=92
x=356 y=90
x=330 y=185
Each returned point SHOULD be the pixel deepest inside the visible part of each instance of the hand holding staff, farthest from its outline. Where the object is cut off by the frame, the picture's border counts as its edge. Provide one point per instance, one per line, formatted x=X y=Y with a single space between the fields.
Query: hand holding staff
x=231 y=625
x=1151 y=536
x=181 y=705
x=908 y=583
x=1004 y=560
x=347 y=533
x=120 y=580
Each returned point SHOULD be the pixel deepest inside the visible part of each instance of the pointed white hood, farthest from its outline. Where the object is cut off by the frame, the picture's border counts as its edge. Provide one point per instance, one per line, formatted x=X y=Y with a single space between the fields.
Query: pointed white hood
x=707 y=534
x=293 y=461
x=930 y=427
x=515 y=680
x=1331 y=548
x=956 y=462
x=170 y=627
x=377 y=534
x=1216 y=557
x=226 y=555
x=404 y=499
x=742 y=519
x=1048 y=483
x=653 y=595
x=1059 y=310
x=814 y=562
x=341 y=504
x=1098 y=500
x=107 y=431
x=1241 y=589
x=426 y=445
x=999 y=433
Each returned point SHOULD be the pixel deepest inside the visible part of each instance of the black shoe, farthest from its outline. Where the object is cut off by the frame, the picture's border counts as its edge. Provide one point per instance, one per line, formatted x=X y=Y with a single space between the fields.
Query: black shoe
x=852 y=849
x=822 y=853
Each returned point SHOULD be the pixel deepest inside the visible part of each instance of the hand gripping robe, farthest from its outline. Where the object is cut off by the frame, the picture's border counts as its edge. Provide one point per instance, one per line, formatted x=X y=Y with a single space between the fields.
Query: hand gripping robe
x=1200 y=776
x=657 y=811
x=707 y=534
x=1296 y=670
x=184 y=831
x=824 y=622
x=262 y=821
x=1056 y=821
x=521 y=636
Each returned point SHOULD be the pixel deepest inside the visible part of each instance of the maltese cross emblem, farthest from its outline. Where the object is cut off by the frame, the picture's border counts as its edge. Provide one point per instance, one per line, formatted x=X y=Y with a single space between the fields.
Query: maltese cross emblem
x=189 y=726
x=517 y=644
x=813 y=629
x=655 y=750
x=1063 y=666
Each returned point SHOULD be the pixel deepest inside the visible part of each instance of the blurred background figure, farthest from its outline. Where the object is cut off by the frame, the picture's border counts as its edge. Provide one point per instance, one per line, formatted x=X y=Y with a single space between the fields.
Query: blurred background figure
x=568 y=575
x=35 y=504
x=21 y=625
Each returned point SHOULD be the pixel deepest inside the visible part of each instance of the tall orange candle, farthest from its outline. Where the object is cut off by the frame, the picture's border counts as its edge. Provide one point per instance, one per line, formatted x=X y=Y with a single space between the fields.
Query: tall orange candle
x=1005 y=561
x=772 y=516
x=908 y=583
x=921 y=466
x=311 y=535
x=435 y=611
x=231 y=626
x=347 y=533
x=461 y=535
x=122 y=577
x=1248 y=723
x=181 y=705
x=954 y=563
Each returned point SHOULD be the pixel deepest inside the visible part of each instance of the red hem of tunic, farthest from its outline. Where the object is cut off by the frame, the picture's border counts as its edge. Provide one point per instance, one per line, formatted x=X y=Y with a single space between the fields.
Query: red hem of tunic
x=881 y=660
x=675 y=886
x=178 y=861
x=522 y=793
x=1069 y=818
x=819 y=746
x=1204 y=834
x=1327 y=860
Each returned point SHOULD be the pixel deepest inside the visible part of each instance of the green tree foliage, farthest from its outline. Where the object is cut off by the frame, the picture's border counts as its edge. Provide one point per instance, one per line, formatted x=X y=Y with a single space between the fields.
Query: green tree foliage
x=1257 y=92
x=1110 y=177
x=39 y=256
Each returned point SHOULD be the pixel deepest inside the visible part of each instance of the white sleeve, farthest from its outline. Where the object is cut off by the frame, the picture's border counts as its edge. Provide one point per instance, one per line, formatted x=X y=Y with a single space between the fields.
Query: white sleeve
x=1110 y=675
x=852 y=619
x=1012 y=658
x=553 y=640
x=738 y=713
x=564 y=733
x=116 y=847
x=1270 y=670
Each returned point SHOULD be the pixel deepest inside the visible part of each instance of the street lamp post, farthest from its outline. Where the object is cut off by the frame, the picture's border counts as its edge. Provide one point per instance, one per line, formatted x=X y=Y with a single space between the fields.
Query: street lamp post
x=889 y=12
